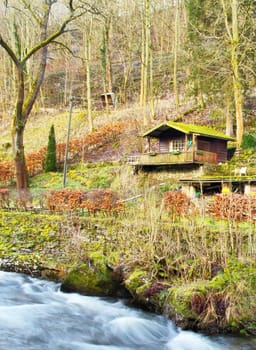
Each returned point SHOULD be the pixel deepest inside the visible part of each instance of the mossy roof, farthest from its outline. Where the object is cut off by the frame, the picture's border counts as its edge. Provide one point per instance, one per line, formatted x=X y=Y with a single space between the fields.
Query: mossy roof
x=187 y=129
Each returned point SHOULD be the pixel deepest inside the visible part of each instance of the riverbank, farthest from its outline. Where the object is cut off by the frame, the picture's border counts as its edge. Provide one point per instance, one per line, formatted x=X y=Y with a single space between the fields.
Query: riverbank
x=179 y=269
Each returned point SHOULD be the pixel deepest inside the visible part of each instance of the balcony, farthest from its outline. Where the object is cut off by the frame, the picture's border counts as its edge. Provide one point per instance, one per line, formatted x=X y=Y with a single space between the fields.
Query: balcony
x=176 y=157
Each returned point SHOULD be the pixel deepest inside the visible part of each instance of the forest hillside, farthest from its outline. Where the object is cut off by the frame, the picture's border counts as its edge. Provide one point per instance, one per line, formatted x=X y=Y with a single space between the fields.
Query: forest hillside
x=185 y=60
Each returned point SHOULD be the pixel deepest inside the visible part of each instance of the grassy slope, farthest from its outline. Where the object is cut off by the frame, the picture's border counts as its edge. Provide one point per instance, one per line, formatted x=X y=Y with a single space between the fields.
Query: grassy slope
x=38 y=127
x=39 y=123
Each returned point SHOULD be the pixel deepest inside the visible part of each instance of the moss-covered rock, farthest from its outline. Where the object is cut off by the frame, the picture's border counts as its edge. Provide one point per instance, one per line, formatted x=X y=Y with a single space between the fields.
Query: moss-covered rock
x=56 y=273
x=94 y=277
x=179 y=303
x=135 y=280
x=146 y=293
x=153 y=295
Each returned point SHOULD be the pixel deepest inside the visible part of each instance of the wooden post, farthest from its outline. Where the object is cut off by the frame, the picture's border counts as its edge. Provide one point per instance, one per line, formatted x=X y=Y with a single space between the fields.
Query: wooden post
x=67 y=142
x=194 y=145
x=149 y=145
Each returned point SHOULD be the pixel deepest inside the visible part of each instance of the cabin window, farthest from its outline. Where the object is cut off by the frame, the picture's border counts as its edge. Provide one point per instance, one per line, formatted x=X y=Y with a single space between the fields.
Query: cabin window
x=177 y=145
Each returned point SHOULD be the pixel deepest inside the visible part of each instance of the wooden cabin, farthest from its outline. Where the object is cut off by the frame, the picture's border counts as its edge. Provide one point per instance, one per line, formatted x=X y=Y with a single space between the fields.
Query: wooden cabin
x=108 y=98
x=179 y=143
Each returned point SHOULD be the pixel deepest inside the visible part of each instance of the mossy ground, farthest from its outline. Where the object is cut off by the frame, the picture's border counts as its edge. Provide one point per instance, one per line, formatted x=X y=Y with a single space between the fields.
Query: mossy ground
x=180 y=286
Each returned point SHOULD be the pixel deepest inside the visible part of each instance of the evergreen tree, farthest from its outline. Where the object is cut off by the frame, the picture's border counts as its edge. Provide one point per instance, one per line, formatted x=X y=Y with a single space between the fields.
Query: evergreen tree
x=50 y=158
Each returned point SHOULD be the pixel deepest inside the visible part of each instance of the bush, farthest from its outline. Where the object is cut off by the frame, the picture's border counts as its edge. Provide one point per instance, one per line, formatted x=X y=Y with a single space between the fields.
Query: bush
x=4 y=198
x=93 y=201
x=232 y=206
x=50 y=157
x=66 y=199
x=102 y=200
x=249 y=141
x=178 y=203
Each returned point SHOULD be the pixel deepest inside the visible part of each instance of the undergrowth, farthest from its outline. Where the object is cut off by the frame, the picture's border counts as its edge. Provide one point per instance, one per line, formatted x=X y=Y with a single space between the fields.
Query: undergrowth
x=205 y=265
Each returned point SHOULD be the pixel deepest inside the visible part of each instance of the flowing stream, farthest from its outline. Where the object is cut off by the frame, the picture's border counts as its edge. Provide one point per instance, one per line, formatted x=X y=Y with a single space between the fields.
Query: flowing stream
x=36 y=315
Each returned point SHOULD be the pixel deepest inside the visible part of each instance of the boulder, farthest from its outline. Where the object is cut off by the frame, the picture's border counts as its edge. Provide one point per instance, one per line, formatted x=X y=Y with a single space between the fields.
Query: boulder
x=94 y=277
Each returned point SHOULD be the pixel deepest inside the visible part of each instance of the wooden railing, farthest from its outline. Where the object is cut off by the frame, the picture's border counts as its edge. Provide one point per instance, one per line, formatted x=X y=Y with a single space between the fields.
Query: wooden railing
x=173 y=158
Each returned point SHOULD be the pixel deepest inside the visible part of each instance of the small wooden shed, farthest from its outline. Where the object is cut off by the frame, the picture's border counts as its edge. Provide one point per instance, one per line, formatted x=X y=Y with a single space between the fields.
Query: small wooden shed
x=180 y=143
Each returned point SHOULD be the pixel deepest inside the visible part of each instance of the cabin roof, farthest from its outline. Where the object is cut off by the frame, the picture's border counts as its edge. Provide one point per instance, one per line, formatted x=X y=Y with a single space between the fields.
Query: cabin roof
x=187 y=129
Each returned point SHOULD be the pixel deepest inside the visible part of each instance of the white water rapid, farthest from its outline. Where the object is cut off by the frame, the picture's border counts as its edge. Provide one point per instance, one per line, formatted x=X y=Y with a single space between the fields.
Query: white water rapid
x=35 y=315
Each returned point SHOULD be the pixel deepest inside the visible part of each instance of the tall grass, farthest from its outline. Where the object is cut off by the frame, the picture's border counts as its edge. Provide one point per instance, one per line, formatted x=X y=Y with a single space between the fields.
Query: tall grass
x=188 y=247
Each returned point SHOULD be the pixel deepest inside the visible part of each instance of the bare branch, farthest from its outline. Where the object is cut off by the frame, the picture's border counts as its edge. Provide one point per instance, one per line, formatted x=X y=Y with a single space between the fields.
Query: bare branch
x=90 y=8
x=66 y=48
x=28 y=7
x=226 y=20
x=71 y=6
x=51 y=38
x=10 y=52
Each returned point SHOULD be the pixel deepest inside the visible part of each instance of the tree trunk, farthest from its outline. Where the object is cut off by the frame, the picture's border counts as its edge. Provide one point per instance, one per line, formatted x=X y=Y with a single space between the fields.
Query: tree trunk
x=229 y=119
x=19 y=157
x=88 y=75
x=145 y=47
x=233 y=34
x=147 y=50
x=142 y=65
x=151 y=87
x=18 y=127
x=108 y=55
x=238 y=95
x=175 y=54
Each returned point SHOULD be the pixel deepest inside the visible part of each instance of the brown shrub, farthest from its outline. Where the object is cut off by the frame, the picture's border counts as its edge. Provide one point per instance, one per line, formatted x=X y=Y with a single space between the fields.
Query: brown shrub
x=232 y=206
x=198 y=303
x=178 y=203
x=96 y=200
x=102 y=200
x=64 y=200
x=6 y=171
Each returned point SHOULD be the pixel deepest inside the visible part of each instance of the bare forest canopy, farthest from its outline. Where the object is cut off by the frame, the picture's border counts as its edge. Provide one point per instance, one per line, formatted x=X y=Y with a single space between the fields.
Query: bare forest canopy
x=196 y=54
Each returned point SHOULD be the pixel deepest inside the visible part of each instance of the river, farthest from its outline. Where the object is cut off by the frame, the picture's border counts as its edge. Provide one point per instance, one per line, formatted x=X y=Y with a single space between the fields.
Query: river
x=36 y=315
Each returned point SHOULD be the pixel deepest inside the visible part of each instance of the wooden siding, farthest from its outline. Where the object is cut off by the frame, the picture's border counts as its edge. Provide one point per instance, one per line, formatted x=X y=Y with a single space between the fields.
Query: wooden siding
x=204 y=145
x=221 y=149
x=215 y=146
x=201 y=156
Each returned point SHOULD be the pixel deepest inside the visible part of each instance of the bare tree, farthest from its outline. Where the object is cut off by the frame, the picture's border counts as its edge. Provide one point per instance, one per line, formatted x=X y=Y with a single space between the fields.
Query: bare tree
x=40 y=16
x=87 y=54
x=233 y=35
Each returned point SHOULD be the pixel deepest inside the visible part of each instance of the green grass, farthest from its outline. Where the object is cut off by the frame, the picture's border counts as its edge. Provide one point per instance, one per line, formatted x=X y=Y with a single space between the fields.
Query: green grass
x=82 y=176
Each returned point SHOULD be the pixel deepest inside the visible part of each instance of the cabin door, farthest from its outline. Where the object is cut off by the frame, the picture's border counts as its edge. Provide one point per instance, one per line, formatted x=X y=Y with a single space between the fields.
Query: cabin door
x=164 y=146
